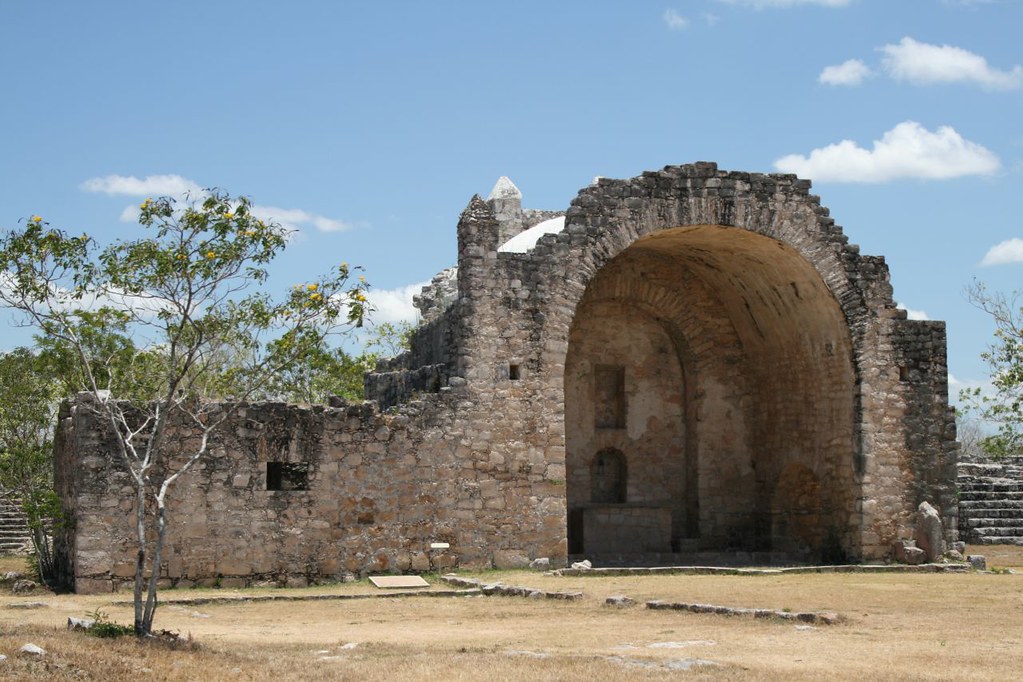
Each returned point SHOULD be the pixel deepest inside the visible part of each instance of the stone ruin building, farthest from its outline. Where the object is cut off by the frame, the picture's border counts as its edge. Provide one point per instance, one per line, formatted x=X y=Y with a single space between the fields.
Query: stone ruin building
x=685 y=366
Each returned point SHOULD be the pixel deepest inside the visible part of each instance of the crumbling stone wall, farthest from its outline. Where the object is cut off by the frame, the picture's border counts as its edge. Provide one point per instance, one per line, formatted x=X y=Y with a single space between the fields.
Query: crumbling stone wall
x=379 y=490
x=712 y=336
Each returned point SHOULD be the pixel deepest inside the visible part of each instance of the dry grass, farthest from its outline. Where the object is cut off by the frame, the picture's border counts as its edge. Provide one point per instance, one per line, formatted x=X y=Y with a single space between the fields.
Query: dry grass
x=898 y=626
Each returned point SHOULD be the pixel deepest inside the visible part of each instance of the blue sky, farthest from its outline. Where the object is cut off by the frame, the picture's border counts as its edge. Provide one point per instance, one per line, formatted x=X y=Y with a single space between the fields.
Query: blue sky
x=369 y=125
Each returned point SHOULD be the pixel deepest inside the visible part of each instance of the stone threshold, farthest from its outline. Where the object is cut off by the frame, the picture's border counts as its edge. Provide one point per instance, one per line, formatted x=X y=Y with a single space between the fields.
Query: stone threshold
x=508 y=590
x=793 y=570
x=245 y=599
x=808 y=617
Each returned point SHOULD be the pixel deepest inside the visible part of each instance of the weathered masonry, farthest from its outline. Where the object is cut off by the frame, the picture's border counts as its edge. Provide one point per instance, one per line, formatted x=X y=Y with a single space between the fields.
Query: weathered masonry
x=687 y=361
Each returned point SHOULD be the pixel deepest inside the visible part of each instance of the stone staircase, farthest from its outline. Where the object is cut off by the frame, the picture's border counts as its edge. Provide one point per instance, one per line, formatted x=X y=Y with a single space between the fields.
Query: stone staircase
x=991 y=502
x=14 y=537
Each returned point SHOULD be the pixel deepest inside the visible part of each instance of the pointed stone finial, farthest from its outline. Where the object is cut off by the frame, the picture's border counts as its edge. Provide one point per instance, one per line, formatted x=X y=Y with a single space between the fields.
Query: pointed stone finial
x=504 y=188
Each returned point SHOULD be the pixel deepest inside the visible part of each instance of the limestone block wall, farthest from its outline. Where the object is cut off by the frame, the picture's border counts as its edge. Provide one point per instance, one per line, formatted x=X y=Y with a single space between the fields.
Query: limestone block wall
x=378 y=490
x=818 y=428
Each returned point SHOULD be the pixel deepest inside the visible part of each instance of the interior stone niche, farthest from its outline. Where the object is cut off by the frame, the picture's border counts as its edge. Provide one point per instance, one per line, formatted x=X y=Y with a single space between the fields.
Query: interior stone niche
x=738 y=398
x=609 y=475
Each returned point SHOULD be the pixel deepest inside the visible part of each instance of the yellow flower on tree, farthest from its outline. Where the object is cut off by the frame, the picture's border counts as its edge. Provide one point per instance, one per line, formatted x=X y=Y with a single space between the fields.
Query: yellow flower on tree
x=210 y=254
x=37 y=219
x=144 y=205
x=313 y=287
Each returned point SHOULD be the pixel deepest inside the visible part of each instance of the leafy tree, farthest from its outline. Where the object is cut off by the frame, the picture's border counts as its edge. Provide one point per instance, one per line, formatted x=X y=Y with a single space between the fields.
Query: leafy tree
x=189 y=297
x=321 y=372
x=390 y=339
x=27 y=411
x=1003 y=409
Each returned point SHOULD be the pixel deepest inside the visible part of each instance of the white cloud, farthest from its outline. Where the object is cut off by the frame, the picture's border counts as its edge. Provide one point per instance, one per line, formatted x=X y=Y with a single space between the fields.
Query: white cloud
x=330 y=225
x=906 y=151
x=711 y=19
x=64 y=299
x=764 y=4
x=394 y=305
x=180 y=187
x=674 y=20
x=913 y=314
x=130 y=214
x=1003 y=253
x=295 y=218
x=849 y=72
x=149 y=186
x=925 y=64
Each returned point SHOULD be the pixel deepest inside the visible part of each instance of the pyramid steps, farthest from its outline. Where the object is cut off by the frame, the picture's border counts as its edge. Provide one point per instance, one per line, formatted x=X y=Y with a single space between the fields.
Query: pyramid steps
x=991 y=502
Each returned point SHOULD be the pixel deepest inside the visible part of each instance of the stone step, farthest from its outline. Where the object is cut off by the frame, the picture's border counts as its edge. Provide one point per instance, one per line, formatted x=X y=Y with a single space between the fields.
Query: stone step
x=995 y=540
x=991 y=517
x=998 y=531
x=975 y=507
x=686 y=558
x=989 y=495
x=1006 y=486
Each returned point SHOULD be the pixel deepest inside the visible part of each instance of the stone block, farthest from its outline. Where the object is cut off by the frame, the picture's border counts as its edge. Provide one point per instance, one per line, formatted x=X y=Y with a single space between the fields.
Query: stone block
x=510 y=559
x=124 y=569
x=930 y=533
x=419 y=562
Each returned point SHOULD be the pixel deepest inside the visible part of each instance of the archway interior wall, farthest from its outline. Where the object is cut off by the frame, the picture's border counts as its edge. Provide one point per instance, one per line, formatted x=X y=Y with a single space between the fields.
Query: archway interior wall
x=755 y=392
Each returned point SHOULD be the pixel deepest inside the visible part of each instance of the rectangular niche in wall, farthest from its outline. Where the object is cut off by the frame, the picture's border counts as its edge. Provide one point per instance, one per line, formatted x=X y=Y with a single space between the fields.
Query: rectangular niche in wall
x=287 y=476
x=609 y=396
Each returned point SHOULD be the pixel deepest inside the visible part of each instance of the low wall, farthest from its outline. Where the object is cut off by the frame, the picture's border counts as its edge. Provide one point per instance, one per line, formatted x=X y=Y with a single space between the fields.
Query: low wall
x=290 y=494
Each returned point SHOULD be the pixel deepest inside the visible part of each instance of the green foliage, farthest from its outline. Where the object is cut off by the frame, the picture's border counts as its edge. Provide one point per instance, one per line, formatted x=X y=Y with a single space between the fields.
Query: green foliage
x=1004 y=408
x=104 y=628
x=170 y=323
x=390 y=340
x=27 y=413
x=321 y=372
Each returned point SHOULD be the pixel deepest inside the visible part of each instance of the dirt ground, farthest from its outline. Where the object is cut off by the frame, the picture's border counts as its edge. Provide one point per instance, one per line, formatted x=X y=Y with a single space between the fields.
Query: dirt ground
x=894 y=627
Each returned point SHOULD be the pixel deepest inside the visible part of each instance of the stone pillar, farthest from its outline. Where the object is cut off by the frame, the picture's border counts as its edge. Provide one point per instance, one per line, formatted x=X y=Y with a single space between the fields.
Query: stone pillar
x=506 y=202
x=477 y=253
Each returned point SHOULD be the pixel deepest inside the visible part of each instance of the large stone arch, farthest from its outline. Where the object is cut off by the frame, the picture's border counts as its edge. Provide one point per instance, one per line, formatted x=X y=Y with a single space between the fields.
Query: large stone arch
x=750 y=291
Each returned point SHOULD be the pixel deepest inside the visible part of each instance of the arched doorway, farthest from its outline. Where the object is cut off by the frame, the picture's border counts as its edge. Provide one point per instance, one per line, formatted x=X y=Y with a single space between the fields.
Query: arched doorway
x=714 y=359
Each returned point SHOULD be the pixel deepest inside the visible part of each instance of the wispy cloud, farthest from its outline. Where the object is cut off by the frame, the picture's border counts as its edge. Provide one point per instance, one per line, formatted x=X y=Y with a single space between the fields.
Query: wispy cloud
x=66 y=299
x=296 y=218
x=1004 y=253
x=767 y=4
x=674 y=20
x=912 y=313
x=149 y=186
x=176 y=186
x=926 y=64
x=849 y=72
x=906 y=151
